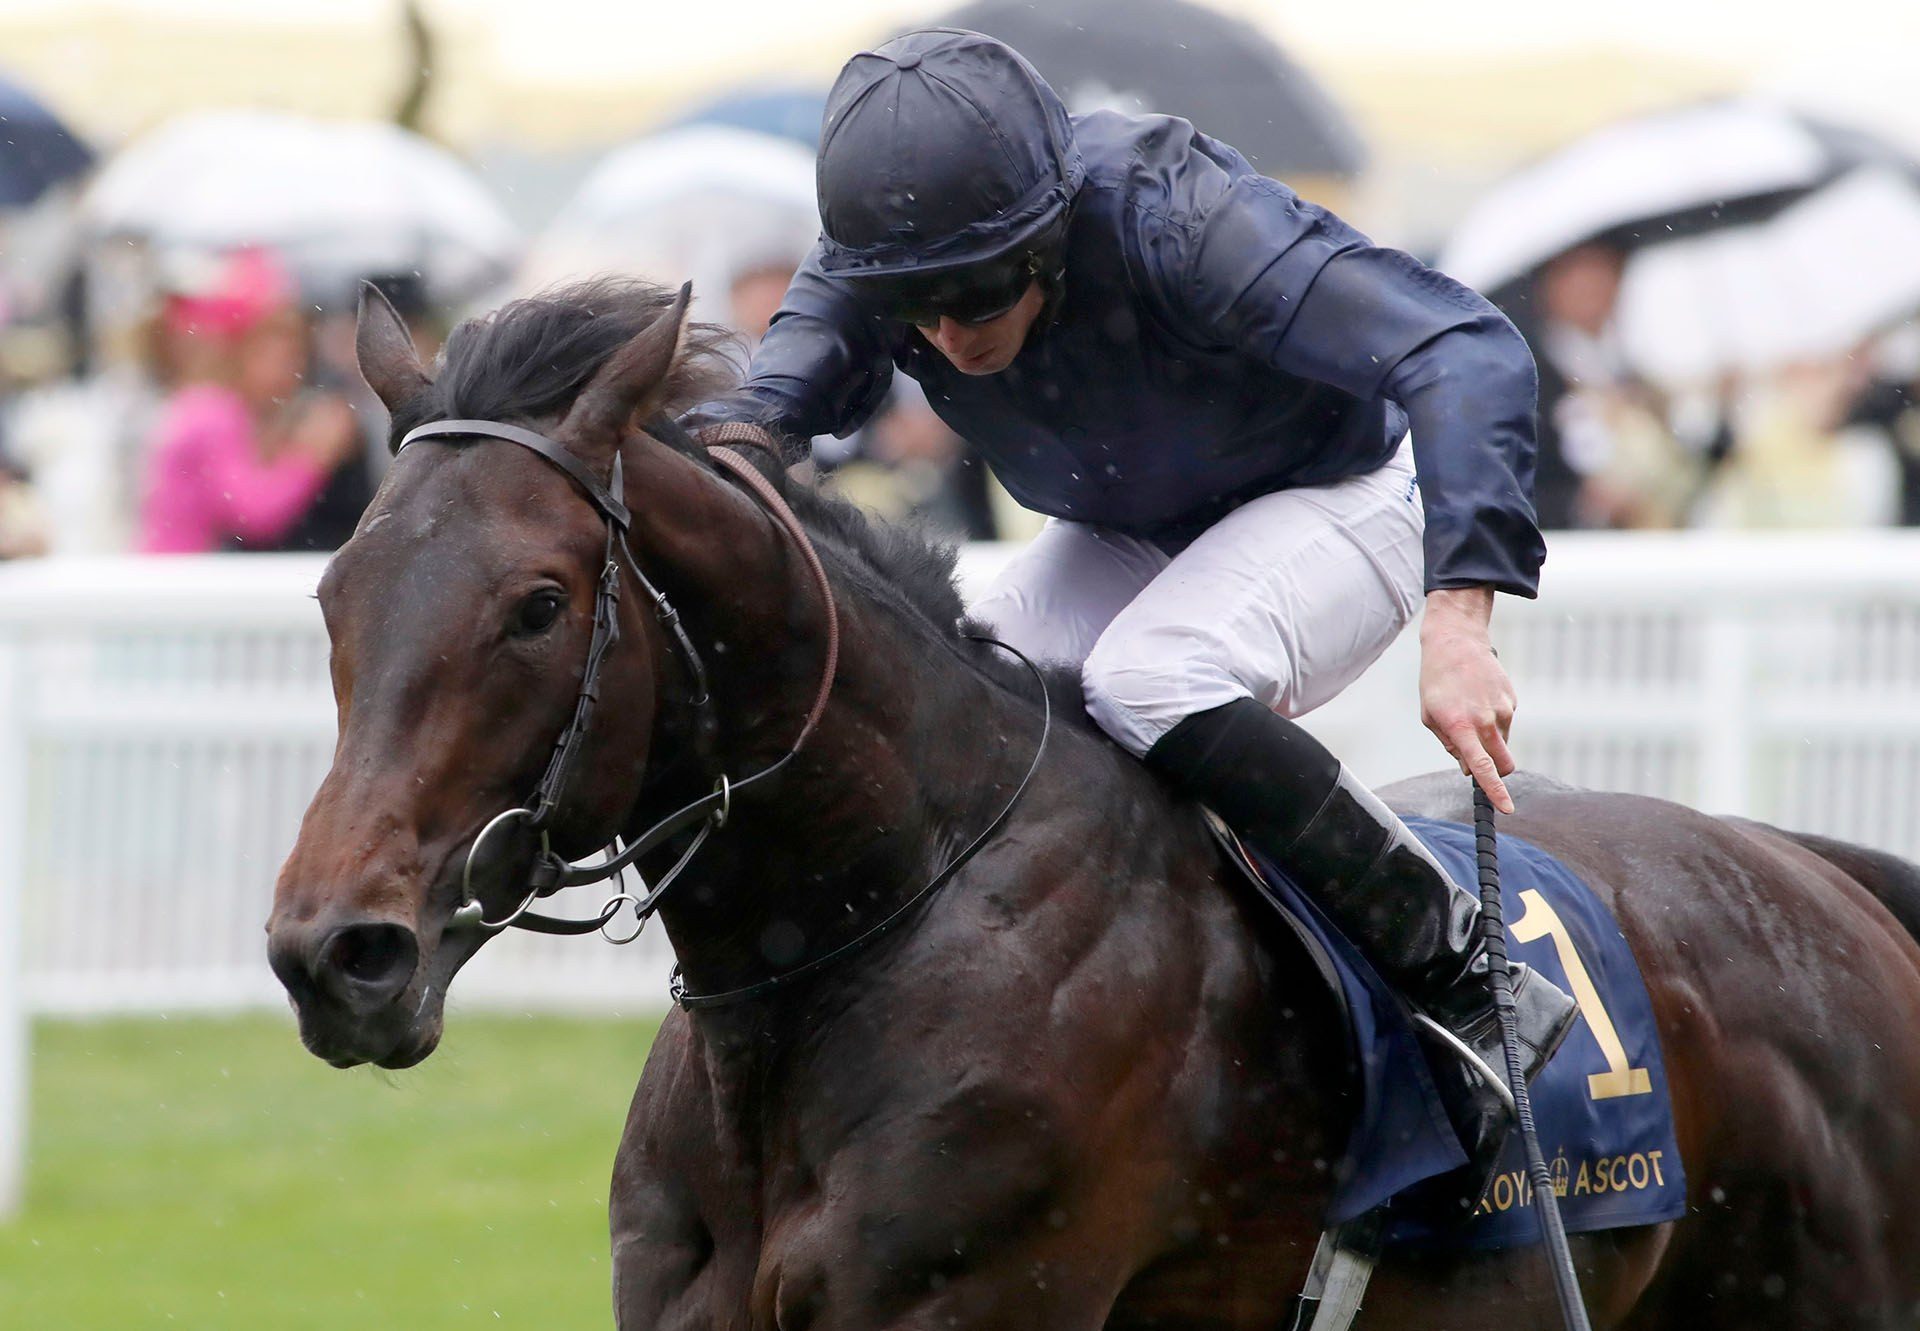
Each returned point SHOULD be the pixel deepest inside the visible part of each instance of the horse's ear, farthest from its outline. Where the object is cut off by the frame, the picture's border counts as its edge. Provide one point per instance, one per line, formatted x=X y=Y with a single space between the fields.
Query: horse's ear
x=635 y=381
x=385 y=350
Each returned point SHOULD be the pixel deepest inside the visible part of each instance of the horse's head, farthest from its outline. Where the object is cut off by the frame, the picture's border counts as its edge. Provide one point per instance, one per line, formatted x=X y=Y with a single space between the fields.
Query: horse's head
x=460 y=615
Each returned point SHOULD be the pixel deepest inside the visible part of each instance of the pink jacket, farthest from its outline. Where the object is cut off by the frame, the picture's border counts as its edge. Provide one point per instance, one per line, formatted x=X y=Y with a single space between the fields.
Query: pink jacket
x=206 y=481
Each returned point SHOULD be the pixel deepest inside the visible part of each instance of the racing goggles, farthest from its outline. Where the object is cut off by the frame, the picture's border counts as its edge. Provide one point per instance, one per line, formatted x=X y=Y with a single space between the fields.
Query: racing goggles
x=976 y=294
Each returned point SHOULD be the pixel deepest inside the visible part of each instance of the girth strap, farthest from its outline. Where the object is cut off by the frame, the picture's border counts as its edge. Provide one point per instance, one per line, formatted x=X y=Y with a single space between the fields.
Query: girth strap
x=1337 y=1281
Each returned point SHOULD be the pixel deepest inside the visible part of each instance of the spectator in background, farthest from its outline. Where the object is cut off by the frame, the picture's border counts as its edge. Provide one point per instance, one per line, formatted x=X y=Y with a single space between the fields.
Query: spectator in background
x=1607 y=457
x=241 y=451
x=66 y=462
x=755 y=295
x=336 y=510
x=908 y=465
x=1567 y=316
x=23 y=529
x=1798 y=459
x=1890 y=405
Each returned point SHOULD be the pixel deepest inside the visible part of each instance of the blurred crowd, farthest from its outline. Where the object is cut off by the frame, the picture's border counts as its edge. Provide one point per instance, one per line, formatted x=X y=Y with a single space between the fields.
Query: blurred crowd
x=1716 y=349
x=229 y=415
x=1821 y=441
x=177 y=367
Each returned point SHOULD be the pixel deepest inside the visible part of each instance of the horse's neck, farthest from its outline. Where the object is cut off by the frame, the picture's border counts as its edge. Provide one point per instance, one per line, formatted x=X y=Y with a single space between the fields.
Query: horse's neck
x=916 y=753
x=870 y=819
x=876 y=803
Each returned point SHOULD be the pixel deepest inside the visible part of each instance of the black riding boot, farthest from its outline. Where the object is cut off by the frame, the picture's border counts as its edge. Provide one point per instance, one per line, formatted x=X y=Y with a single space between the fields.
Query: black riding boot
x=1277 y=786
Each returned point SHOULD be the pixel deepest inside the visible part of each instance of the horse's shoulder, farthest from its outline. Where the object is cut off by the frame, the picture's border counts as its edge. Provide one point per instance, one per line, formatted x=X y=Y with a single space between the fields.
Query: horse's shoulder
x=673 y=1094
x=667 y=1200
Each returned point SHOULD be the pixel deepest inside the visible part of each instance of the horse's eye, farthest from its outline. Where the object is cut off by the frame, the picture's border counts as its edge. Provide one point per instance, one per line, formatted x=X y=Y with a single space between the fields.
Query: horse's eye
x=537 y=613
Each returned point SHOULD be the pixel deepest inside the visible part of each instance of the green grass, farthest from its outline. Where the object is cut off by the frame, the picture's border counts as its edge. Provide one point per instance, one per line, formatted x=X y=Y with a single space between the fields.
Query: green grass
x=209 y=1173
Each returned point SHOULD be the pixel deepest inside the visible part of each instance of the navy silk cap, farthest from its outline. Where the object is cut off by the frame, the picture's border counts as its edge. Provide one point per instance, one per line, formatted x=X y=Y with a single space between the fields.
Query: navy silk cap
x=941 y=149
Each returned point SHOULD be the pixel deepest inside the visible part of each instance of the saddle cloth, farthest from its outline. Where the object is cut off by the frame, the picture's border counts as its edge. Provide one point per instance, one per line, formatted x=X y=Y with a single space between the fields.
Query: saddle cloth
x=1601 y=1106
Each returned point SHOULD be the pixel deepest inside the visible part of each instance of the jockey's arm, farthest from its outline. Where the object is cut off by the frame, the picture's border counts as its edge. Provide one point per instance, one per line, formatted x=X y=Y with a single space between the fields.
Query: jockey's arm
x=822 y=368
x=1466 y=699
x=1295 y=287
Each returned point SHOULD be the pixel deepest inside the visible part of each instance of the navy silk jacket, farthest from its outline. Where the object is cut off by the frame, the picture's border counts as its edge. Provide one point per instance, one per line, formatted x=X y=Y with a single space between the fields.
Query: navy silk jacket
x=1218 y=338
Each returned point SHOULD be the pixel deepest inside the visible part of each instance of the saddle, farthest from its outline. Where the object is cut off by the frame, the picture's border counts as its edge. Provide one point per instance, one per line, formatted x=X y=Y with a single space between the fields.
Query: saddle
x=1601 y=1106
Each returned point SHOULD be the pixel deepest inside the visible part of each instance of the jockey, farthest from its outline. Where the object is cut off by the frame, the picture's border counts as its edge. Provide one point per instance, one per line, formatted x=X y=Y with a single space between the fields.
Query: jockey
x=1208 y=384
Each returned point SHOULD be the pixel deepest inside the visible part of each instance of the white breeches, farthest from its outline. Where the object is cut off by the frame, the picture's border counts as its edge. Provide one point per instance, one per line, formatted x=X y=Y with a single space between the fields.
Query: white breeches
x=1286 y=600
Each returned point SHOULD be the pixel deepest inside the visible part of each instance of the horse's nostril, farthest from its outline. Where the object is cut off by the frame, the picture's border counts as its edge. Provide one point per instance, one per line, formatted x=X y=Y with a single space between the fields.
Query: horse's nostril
x=367 y=965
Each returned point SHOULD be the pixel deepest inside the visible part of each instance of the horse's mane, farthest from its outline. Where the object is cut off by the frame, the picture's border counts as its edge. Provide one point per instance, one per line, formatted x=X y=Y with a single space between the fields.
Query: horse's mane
x=902 y=565
x=530 y=358
x=905 y=567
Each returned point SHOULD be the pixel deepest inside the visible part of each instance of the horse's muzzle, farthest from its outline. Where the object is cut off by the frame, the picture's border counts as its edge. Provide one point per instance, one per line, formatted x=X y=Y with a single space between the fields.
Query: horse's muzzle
x=352 y=983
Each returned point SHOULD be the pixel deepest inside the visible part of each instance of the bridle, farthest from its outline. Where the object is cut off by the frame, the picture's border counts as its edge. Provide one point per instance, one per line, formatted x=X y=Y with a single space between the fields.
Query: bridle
x=552 y=872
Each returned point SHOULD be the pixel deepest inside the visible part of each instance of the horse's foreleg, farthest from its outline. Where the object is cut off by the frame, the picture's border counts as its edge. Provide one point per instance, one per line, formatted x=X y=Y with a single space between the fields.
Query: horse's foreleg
x=670 y=1273
x=979 y=1238
x=662 y=1252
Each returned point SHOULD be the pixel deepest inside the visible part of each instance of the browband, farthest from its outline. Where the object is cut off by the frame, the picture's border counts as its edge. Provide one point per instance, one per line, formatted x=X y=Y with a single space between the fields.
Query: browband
x=604 y=498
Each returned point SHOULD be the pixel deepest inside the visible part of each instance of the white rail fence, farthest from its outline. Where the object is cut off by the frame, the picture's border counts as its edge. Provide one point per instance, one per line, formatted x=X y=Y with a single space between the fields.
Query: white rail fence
x=164 y=722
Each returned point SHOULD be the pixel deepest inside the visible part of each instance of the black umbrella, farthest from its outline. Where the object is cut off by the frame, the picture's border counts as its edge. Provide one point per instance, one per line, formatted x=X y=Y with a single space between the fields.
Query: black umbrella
x=36 y=150
x=1180 y=59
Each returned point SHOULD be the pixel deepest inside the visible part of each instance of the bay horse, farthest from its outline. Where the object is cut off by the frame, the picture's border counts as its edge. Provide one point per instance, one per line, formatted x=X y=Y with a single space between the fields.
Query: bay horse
x=1089 y=1083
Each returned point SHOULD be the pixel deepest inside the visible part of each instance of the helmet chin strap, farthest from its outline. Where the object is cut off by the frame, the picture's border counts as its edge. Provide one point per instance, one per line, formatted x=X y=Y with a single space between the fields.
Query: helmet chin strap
x=1050 y=269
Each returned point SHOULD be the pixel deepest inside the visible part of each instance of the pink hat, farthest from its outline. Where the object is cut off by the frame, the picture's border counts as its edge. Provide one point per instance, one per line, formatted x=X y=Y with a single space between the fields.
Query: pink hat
x=248 y=286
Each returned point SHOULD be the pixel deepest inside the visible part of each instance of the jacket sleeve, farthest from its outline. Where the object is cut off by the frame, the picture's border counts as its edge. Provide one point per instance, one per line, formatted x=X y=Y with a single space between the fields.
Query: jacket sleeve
x=1291 y=285
x=822 y=368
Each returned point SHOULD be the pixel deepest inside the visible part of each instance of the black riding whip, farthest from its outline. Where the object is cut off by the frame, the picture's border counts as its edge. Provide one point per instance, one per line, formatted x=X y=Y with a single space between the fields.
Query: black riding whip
x=1546 y=1203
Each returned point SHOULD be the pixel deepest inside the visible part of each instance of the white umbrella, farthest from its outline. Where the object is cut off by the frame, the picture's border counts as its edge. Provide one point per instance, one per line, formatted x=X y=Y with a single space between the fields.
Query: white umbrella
x=1651 y=174
x=701 y=202
x=1811 y=284
x=336 y=198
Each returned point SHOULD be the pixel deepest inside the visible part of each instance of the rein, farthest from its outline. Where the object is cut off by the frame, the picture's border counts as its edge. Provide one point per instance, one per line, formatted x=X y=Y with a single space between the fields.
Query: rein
x=694 y=1002
x=551 y=872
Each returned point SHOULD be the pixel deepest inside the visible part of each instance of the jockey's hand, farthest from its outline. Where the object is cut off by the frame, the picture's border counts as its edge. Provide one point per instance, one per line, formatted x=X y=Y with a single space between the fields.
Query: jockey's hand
x=1466 y=698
